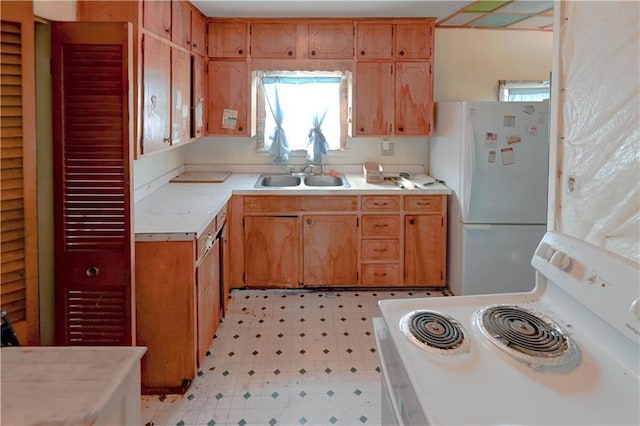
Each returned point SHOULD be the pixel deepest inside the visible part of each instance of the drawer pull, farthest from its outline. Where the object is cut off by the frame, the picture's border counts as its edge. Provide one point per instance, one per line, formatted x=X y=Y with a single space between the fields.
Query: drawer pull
x=422 y=203
x=380 y=204
x=93 y=271
x=380 y=274
x=380 y=250
x=381 y=226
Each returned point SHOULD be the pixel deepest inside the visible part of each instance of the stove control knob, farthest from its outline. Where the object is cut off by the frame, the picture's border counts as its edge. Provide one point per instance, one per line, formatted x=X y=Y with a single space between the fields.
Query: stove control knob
x=635 y=309
x=561 y=261
x=545 y=251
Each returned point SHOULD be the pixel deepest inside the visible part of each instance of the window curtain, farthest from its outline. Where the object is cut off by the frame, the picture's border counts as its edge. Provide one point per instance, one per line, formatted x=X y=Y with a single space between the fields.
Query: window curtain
x=279 y=149
x=318 y=145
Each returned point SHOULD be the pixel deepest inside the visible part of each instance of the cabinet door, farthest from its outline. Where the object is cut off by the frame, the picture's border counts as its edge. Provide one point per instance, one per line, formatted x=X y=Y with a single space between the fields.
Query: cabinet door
x=228 y=39
x=373 y=99
x=181 y=23
x=414 y=40
x=272 y=251
x=414 y=98
x=273 y=41
x=156 y=93
x=331 y=41
x=228 y=95
x=374 y=41
x=330 y=250
x=180 y=96
x=208 y=298
x=156 y=17
x=424 y=252
x=198 y=98
x=198 y=33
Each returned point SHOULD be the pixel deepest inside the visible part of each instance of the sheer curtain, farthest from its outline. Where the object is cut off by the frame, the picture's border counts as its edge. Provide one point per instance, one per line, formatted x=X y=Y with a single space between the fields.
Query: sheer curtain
x=318 y=145
x=279 y=149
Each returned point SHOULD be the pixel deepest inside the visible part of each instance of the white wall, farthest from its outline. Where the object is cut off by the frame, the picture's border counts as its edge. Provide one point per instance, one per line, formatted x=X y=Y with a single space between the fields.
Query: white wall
x=55 y=10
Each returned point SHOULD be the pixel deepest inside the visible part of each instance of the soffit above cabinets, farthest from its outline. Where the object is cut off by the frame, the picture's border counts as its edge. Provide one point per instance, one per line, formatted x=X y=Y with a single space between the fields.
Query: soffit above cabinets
x=515 y=14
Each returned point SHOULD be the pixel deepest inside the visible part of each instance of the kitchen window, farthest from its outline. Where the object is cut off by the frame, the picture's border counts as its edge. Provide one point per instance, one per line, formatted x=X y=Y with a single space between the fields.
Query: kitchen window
x=302 y=111
x=523 y=91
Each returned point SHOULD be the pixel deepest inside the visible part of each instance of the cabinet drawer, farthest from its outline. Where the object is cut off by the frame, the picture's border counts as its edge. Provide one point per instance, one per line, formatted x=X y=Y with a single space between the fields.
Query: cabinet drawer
x=337 y=203
x=380 y=226
x=207 y=238
x=271 y=204
x=380 y=203
x=380 y=274
x=426 y=203
x=380 y=249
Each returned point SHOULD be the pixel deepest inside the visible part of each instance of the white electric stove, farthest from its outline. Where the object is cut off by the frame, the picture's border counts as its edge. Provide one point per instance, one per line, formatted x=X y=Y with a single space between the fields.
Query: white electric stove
x=566 y=353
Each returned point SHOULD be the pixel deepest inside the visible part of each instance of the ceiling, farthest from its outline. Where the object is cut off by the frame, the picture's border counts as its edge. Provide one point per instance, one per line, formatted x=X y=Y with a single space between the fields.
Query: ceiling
x=516 y=14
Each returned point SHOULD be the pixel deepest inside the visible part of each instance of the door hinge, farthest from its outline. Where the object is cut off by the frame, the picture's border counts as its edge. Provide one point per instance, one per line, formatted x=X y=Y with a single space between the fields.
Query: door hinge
x=441 y=276
x=357 y=276
x=442 y=221
x=357 y=222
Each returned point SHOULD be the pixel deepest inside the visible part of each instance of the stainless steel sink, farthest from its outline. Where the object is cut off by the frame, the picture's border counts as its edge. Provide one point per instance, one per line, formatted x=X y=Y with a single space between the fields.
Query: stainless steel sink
x=325 y=180
x=278 y=181
x=302 y=181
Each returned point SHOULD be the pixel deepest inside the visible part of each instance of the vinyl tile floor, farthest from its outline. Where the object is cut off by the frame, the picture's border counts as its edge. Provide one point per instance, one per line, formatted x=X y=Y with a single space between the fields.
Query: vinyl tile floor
x=286 y=357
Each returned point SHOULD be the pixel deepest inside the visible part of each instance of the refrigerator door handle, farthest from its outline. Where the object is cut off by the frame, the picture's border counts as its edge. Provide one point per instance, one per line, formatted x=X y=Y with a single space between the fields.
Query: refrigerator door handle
x=478 y=227
x=469 y=160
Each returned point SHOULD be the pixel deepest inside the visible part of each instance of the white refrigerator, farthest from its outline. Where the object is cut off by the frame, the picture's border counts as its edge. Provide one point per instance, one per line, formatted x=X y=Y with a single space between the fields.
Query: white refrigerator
x=495 y=158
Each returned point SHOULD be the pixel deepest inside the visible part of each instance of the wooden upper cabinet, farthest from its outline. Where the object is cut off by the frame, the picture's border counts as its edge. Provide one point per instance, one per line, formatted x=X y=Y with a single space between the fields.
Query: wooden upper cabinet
x=228 y=92
x=330 y=41
x=156 y=17
x=180 y=96
x=414 y=98
x=414 y=40
x=198 y=100
x=228 y=39
x=156 y=93
x=198 y=33
x=273 y=40
x=373 y=99
x=181 y=23
x=374 y=41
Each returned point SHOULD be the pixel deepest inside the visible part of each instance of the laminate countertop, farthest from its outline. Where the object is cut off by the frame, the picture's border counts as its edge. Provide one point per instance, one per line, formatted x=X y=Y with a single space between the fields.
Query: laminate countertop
x=49 y=385
x=182 y=211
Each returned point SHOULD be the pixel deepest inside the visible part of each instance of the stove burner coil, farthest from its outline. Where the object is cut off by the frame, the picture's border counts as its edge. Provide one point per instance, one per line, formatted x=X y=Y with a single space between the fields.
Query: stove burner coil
x=527 y=335
x=433 y=331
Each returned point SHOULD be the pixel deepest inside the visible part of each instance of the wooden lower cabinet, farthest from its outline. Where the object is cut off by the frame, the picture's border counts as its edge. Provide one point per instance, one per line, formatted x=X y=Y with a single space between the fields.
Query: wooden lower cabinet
x=272 y=251
x=424 y=250
x=330 y=250
x=342 y=241
x=178 y=299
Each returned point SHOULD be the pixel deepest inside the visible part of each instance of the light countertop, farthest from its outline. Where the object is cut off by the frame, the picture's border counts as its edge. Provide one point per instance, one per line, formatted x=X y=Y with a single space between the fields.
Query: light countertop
x=182 y=211
x=68 y=385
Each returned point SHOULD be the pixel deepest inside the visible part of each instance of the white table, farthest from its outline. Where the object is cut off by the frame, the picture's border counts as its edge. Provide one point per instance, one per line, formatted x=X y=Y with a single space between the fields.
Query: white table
x=47 y=385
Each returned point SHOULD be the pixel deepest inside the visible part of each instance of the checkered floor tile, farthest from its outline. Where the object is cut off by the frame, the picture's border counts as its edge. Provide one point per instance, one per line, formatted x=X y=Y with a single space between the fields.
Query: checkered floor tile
x=286 y=357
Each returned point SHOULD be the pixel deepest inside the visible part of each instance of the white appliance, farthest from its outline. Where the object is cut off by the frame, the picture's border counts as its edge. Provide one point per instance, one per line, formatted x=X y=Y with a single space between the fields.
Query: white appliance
x=566 y=353
x=495 y=158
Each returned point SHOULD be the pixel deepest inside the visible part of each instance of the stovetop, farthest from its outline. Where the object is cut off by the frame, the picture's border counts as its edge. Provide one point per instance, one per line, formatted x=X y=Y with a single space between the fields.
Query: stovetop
x=597 y=383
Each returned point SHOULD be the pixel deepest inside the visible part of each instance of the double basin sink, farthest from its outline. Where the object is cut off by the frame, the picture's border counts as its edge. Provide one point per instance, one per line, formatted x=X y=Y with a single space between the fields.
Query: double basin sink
x=292 y=181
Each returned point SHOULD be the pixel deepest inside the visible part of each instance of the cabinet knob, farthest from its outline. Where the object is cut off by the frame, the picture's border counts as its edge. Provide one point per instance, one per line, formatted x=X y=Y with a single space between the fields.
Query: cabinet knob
x=313 y=53
x=290 y=53
x=362 y=129
x=412 y=221
x=240 y=51
x=309 y=221
x=401 y=53
x=362 y=53
x=195 y=45
x=401 y=129
x=240 y=128
x=92 y=271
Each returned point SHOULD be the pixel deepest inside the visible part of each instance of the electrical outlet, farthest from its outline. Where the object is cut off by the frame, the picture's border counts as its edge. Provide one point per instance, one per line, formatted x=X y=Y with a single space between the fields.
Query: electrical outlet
x=387 y=147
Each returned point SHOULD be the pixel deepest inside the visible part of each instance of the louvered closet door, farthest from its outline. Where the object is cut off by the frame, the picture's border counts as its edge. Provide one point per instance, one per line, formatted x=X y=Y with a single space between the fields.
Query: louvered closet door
x=92 y=169
x=18 y=174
